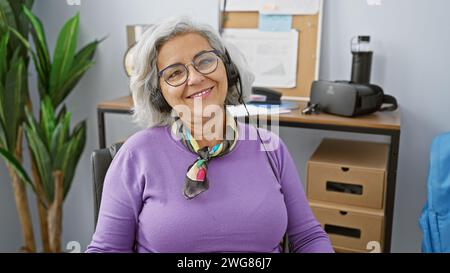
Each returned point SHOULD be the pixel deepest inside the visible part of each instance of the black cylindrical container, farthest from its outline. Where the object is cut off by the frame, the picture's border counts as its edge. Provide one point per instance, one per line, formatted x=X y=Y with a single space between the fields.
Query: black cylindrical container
x=362 y=59
x=361 y=67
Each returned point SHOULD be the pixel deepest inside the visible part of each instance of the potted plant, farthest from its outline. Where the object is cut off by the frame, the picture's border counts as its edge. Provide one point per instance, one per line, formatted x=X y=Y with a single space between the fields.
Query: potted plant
x=13 y=66
x=54 y=149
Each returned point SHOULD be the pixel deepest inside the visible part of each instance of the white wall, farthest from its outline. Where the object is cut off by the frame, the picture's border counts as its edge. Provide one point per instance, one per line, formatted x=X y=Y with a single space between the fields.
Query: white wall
x=411 y=62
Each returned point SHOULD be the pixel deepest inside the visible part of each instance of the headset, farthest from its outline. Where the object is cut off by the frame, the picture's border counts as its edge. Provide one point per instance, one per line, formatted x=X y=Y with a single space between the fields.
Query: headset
x=233 y=75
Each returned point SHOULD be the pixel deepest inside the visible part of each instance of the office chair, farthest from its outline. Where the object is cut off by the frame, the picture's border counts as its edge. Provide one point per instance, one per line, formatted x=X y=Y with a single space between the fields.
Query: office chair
x=100 y=161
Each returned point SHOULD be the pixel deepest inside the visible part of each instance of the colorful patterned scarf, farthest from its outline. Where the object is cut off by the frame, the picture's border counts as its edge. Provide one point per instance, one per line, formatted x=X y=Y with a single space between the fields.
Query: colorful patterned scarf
x=196 y=180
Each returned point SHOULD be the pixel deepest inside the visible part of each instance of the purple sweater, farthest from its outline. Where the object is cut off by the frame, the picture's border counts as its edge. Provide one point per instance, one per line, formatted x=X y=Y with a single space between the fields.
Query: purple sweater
x=245 y=208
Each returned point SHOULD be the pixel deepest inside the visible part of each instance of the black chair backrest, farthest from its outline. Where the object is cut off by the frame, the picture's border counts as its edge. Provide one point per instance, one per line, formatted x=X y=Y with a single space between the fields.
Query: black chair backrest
x=100 y=161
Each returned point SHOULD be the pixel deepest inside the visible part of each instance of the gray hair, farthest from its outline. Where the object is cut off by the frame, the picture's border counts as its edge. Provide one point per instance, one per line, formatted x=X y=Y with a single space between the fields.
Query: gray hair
x=144 y=78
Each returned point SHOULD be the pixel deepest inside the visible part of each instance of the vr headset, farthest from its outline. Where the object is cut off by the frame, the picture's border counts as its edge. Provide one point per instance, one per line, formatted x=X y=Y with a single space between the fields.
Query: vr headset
x=348 y=99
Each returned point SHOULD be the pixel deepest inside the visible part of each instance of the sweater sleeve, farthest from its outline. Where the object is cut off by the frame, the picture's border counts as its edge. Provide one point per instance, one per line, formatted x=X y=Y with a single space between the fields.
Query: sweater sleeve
x=120 y=206
x=304 y=231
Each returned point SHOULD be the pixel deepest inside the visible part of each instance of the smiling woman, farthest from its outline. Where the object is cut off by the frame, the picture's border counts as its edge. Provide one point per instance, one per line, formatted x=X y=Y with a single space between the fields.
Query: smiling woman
x=150 y=107
x=193 y=181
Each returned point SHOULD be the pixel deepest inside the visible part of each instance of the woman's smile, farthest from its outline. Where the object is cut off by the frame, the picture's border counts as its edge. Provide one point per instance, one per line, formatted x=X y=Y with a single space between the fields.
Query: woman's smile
x=202 y=93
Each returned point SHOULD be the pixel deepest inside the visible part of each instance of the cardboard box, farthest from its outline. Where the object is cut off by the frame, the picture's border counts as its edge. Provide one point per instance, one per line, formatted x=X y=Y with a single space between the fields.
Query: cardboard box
x=350 y=228
x=348 y=172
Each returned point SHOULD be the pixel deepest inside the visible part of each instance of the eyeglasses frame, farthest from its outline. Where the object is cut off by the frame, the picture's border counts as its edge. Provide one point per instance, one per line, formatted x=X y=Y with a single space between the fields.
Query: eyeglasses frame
x=215 y=51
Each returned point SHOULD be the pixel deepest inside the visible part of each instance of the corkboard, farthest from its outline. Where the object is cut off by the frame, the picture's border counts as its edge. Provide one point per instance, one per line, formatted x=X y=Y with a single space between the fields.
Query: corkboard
x=308 y=53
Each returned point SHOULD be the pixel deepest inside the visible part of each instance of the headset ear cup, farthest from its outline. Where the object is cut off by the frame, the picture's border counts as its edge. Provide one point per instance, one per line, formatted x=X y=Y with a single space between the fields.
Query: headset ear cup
x=232 y=71
x=232 y=74
x=158 y=100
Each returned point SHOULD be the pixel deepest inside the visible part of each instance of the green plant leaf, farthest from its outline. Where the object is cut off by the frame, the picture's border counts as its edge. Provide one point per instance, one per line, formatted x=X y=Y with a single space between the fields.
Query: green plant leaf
x=6 y=14
x=3 y=130
x=62 y=113
x=32 y=123
x=74 y=77
x=61 y=153
x=40 y=155
x=59 y=138
x=73 y=154
x=3 y=139
x=3 y=55
x=29 y=3
x=21 y=21
x=15 y=19
x=41 y=75
x=63 y=56
x=14 y=93
x=88 y=51
x=3 y=70
x=47 y=119
x=38 y=34
x=18 y=168
x=82 y=62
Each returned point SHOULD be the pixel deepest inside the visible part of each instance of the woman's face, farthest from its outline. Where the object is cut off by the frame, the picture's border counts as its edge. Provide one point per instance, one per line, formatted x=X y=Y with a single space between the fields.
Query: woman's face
x=199 y=91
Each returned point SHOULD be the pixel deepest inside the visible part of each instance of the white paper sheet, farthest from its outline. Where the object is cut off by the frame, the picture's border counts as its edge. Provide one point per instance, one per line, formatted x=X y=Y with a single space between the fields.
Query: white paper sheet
x=240 y=5
x=297 y=7
x=272 y=56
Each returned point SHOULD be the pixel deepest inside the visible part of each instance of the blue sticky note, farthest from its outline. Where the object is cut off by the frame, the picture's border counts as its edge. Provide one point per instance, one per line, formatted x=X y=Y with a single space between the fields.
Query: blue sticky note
x=275 y=22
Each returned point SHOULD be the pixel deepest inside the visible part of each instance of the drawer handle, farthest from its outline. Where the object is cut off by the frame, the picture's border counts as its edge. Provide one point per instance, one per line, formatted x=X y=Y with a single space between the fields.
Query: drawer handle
x=345 y=169
x=343 y=212
x=344 y=187
x=343 y=231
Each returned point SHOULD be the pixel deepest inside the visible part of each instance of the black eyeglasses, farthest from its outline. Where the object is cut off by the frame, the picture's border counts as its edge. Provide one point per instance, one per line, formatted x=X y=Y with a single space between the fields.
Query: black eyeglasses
x=205 y=62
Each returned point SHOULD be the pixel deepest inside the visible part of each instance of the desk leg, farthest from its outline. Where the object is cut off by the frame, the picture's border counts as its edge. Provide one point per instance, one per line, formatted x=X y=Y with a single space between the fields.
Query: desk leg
x=101 y=128
x=390 y=195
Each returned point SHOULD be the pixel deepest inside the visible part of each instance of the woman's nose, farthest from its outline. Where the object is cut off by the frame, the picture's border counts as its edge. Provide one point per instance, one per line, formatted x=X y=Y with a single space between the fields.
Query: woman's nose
x=194 y=76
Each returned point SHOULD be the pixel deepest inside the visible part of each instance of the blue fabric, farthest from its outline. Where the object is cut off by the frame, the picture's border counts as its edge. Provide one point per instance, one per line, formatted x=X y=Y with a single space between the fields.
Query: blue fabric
x=435 y=218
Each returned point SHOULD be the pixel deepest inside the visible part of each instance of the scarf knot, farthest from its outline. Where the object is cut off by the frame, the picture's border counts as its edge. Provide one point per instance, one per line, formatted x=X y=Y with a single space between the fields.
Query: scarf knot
x=196 y=180
x=204 y=153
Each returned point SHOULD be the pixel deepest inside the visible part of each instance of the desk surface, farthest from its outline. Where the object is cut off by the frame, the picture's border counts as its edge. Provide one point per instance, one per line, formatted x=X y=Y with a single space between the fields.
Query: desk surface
x=379 y=120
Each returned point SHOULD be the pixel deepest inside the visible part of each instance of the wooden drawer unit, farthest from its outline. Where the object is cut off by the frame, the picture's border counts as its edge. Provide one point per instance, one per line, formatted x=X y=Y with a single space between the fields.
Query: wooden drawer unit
x=350 y=228
x=348 y=172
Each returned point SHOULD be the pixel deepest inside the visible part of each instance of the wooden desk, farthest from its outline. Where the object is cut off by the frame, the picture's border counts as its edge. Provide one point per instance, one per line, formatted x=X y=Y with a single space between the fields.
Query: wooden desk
x=380 y=123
